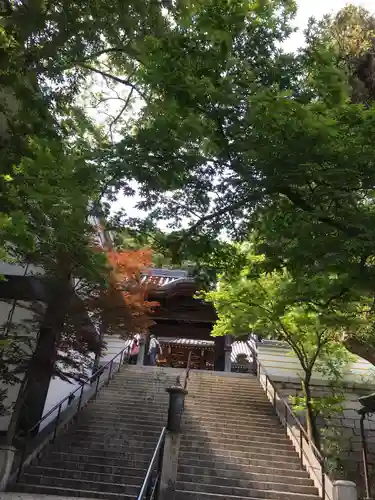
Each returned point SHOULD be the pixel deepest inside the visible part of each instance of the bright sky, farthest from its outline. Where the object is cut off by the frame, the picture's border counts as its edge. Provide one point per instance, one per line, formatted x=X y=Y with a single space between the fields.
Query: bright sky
x=306 y=9
x=317 y=9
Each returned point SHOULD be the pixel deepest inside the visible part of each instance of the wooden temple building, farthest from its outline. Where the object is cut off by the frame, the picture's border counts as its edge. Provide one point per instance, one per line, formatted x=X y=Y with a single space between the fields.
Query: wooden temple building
x=183 y=324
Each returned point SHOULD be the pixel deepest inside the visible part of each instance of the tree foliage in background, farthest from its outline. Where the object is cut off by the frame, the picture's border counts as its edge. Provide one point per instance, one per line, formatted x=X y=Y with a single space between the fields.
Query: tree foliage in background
x=350 y=37
x=53 y=158
x=277 y=307
x=202 y=257
x=240 y=137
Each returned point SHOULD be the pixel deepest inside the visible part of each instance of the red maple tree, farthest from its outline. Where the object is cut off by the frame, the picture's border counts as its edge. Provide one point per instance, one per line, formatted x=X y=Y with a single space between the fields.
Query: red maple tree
x=124 y=304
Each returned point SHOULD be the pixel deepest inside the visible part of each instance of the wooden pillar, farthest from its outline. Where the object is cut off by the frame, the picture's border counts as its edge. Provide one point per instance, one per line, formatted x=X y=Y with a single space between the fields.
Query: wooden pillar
x=228 y=353
x=202 y=359
x=219 y=363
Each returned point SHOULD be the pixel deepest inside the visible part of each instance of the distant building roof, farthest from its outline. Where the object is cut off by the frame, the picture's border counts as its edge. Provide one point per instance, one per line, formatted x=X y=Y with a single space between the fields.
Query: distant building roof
x=164 y=278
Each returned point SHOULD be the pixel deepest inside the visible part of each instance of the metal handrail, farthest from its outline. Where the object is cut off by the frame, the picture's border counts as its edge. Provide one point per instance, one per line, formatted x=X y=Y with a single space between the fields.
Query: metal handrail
x=149 y=486
x=94 y=377
x=149 y=489
x=288 y=412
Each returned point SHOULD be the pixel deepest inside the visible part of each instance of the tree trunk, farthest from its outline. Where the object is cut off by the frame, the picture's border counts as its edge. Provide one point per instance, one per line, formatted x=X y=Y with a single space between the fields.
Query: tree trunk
x=312 y=428
x=42 y=362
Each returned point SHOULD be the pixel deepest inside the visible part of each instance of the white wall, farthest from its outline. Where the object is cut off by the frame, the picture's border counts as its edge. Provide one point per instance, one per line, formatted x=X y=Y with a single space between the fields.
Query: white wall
x=283 y=366
x=23 y=320
x=283 y=369
x=59 y=389
x=20 y=270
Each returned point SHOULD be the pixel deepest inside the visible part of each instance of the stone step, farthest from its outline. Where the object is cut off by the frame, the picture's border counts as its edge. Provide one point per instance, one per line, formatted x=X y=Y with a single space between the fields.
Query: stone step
x=250 y=419
x=227 y=413
x=115 y=433
x=265 y=452
x=146 y=392
x=134 y=399
x=65 y=492
x=227 y=402
x=274 y=435
x=250 y=484
x=222 y=382
x=119 y=409
x=113 y=417
x=193 y=495
x=109 y=451
x=88 y=475
x=79 y=484
x=229 y=391
x=248 y=443
x=106 y=442
x=224 y=462
x=251 y=472
x=135 y=462
x=98 y=426
x=97 y=468
x=194 y=425
x=245 y=492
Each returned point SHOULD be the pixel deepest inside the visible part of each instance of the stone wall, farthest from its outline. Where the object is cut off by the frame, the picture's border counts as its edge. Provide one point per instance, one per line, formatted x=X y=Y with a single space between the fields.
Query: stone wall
x=284 y=370
x=344 y=427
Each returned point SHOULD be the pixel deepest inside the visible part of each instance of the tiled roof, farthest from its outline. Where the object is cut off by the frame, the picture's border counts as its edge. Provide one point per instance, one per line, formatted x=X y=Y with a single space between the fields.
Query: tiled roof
x=162 y=278
x=187 y=342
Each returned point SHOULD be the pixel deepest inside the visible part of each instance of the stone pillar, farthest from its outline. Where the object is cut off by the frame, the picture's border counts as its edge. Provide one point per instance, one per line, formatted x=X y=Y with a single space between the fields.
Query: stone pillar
x=228 y=353
x=7 y=454
x=142 y=349
x=169 y=464
x=344 y=490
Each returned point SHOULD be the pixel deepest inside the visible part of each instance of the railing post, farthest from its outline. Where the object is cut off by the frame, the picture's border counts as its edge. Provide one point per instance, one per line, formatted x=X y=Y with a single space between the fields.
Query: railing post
x=169 y=461
x=286 y=418
x=110 y=371
x=301 y=445
x=57 y=423
x=323 y=479
x=97 y=382
x=274 y=398
x=344 y=490
x=121 y=360
x=80 y=398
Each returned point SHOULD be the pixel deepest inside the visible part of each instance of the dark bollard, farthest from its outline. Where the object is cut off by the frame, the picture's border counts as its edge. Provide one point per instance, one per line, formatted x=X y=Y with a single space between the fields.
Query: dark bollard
x=168 y=476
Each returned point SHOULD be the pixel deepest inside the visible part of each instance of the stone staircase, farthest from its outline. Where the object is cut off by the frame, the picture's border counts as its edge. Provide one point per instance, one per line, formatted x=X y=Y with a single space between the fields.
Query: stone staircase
x=232 y=447
x=107 y=452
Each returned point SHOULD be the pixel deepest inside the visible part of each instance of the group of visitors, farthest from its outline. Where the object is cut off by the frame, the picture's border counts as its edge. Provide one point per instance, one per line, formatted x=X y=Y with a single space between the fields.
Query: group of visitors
x=154 y=350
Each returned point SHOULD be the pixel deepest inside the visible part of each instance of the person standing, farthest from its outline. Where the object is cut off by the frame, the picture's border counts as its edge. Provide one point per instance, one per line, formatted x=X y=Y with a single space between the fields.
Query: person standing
x=134 y=349
x=154 y=350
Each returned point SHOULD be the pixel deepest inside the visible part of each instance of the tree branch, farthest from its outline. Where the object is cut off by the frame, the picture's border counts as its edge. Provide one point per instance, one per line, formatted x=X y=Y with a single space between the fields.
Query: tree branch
x=217 y=214
x=117 y=117
x=115 y=78
x=299 y=202
x=110 y=50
